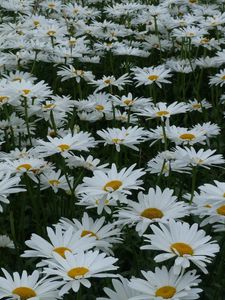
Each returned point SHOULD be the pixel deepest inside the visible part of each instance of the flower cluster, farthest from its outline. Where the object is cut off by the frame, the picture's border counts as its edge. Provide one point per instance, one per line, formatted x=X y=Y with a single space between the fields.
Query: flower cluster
x=112 y=182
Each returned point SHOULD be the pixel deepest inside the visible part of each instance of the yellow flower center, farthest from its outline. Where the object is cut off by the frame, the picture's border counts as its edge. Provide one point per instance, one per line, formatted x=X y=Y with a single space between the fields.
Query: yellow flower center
x=107 y=81
x=153 y=77
x=99 y=107
x=72 y=42
x=36 y=23
x=128 y=102
x=187 y=136
x=51 y=5
x=3 y=98
x=26 y=91
x=80 y=72
x=182 y=249
x=166 y=292
x=48 y=106
x=152 y=213
x=162 y=113
x=193 y=1
x=77 y=272
x=117 y=141
x=61 y=251
x=223 y=77
x=196 y=106
x=54 y=182
x=204 y=41
x=24 y=292
x=51 y=32
x=106 y=202
x=88 y=232
x=112 y=185
x=24 y=166
x=64 y=147
x=221 y=210
x=208 y=206
x=17 y=79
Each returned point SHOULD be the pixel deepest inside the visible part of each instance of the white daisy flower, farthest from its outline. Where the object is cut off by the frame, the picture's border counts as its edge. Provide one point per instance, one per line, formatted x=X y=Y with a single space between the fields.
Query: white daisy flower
x=105 y=234
x=55 y=180
x=90 y=163
x=165 y=162
x=165 y=284
x=151 y=75
x=184 y=136
x=128 y=137
x=80 y=141
x=110 y=81
x=77 y=269
x=60 y=241
x=163 y=110
x=195 y=105
x=112 y=183
x=184 y=242
x=155 y=207
x=24 y=286
x=218 y=79
x=202 y=158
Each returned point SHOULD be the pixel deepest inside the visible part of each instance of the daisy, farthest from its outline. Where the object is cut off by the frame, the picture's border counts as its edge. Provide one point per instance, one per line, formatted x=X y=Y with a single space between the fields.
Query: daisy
x=162 y=110
x=76 y=269
x=105 y=234
x=102 y=204
x=188 y=32
x=128 y=137
x=195 y=105
x=70 y=72
x=99 y=102
x=202 y=158
x=213 y=192
x=131 y=102
x=110 y=81
x=156 y=206
x=28 y=165
x=90 y=163
x=209 y=129
x=184 y=242
x=60 y=241
x=214 y=214
x=185 y=136
x=151 y=75
x=164 y=284
x=121 y=290
x=8 y=185
x=112 y=183
x=79 y=141
x=25 y=287
x=218 y=79
x=53 y=179
x=166 y=162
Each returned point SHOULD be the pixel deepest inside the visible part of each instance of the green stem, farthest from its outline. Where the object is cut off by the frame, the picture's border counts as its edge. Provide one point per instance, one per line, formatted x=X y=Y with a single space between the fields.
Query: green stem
x=193 y=183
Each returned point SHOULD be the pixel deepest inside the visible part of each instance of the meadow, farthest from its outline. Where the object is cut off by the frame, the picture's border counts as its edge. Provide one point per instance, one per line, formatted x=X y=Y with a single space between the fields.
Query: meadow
x=112 y=169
